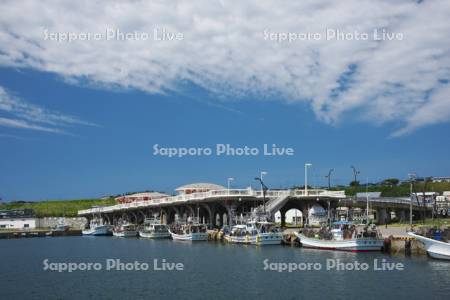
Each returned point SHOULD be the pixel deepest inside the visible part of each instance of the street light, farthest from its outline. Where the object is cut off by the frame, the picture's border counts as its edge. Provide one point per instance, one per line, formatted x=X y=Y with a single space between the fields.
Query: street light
x=228 y=183
x=329 y=178
x=307 y=165
x=412 y=178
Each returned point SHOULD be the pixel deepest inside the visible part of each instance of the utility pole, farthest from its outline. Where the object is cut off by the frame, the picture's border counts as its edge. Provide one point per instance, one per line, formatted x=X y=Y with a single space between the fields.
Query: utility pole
x=412 y=177
x=329 y=178
x=307 y=165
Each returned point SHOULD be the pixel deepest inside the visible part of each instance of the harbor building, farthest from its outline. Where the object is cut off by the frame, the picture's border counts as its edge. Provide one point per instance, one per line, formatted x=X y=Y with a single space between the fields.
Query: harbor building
x=217 y=206
x=17 y=219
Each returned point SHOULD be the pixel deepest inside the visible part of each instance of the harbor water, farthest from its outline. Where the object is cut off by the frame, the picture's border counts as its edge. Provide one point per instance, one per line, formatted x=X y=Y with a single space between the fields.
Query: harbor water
x=210 y=270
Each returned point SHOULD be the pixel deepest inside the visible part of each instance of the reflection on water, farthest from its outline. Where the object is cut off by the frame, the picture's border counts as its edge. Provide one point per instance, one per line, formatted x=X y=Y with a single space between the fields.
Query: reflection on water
x=211 y=271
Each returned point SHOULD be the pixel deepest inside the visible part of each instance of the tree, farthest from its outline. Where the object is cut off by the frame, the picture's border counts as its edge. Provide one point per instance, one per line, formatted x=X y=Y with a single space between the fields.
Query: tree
x=391 y=182
x=354 y=183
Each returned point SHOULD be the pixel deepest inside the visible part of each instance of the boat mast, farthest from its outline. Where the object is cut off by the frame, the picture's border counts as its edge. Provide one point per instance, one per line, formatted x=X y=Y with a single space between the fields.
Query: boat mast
x=367 y=200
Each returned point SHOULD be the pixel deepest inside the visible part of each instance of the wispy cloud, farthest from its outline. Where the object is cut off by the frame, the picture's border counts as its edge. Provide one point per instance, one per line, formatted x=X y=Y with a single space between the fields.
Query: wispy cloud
x=17 y=113
x=403 y=82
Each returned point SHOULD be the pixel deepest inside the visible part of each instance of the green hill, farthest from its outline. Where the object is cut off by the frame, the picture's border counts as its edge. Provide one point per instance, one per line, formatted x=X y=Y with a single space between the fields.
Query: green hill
x=401 y=190
x=58 y=208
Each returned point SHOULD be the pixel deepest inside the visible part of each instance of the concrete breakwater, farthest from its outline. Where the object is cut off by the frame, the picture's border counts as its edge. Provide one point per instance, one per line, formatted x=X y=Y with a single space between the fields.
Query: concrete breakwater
x=15 y=234
x=50 y=222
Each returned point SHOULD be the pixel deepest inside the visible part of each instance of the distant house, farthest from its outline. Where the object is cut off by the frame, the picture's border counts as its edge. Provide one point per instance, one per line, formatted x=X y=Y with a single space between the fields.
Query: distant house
x=441 y=179
x=17 y=219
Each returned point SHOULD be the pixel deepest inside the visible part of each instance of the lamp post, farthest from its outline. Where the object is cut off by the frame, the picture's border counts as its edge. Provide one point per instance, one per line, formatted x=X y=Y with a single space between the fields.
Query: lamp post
x=412 y=177
x=228 y=183
x=307 y=165
x=329 y=178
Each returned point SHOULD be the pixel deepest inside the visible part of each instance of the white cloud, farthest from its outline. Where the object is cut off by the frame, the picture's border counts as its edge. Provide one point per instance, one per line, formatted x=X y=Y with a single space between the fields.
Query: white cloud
x=17 y=113
x=404 y=82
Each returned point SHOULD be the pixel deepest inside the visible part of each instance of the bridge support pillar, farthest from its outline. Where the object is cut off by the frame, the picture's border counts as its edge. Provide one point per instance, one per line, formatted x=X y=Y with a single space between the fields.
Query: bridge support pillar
x=401 y=215
x=210 y=210
x=231 y=213
x=384 y=216
x=407 y=215
x=305 y=214
x=283 y=217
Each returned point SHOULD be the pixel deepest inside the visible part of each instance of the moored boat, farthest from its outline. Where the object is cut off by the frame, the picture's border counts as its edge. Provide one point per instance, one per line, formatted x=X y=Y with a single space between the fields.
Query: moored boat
x=255 y=233
x=153 y=229
x=61 y=226
x=343 y=237
x=96 y=227
x=189 y=232
x=125 y=230
x=435 y=249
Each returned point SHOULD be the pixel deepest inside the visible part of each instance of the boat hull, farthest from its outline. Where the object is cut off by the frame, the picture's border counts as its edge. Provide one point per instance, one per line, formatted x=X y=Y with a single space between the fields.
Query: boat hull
x=99 y=230
x=260 y=239
x=435 y=249
x=351 y=245
x=193 y=237
x=154 y=235
x=127 y=233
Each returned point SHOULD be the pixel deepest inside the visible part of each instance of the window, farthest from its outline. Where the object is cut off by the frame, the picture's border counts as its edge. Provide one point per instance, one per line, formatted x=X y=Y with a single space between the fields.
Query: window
x=26 y=225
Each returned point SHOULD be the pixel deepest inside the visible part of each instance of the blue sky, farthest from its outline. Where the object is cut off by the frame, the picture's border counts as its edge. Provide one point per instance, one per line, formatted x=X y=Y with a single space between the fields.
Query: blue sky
x=79 y=116
x=116 y=156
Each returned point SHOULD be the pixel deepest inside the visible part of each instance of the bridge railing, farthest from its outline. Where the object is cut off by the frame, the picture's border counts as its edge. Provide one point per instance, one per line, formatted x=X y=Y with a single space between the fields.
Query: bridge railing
x=171 y=200
x=272 y=194
x=404 y=201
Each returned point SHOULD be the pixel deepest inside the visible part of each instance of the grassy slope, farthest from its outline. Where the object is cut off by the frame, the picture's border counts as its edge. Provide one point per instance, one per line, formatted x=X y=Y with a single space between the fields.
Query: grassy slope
x=397 y=191
x=57 y=208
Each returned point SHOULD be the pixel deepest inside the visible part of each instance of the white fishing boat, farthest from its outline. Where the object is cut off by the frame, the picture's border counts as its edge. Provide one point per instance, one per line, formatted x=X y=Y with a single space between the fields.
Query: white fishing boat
x=189 y=232
x=61 y=226
x=255 y=233
x=342 y=237
x=96 y=227
x=125 y=230
x=436 y=249
x=153 y=229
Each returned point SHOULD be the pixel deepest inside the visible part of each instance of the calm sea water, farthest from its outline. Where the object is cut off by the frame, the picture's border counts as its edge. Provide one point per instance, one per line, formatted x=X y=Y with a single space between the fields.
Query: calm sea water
x=211 y=271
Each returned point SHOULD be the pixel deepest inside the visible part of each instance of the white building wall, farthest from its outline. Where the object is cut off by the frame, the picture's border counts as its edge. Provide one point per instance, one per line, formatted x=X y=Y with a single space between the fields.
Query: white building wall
x=18 y=223
x=290 y=216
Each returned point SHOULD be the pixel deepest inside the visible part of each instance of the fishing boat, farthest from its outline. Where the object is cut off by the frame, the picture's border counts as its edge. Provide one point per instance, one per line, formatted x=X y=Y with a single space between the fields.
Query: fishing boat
x=343 y=237
x=125 y=230
x=255 y=233
x=435 y=249
x=96 y=227
x=61 y=226
x=189 y=232
x=153 y=229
